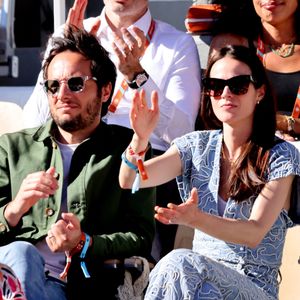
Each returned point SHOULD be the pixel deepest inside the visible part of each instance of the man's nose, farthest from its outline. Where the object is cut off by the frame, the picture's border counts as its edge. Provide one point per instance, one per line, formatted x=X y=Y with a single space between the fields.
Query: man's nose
x=63 y=90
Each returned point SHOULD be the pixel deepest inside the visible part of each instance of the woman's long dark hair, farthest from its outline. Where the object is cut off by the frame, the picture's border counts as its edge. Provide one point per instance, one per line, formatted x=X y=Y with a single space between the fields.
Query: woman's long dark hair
x=247 y=175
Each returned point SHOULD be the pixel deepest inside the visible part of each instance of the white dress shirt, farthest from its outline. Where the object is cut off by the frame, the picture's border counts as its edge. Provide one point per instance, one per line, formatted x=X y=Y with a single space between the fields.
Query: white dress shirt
x=173 y=65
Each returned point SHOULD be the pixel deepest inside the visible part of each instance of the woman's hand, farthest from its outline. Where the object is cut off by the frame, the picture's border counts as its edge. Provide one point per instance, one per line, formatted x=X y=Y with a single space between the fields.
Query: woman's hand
x=186 y=213
x=281 y=123
x=282 y=127
x=143 y=119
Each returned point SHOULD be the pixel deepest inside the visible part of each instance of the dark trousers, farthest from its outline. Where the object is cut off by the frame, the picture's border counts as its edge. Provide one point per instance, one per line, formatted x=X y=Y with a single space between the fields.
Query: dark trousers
x=103 y=283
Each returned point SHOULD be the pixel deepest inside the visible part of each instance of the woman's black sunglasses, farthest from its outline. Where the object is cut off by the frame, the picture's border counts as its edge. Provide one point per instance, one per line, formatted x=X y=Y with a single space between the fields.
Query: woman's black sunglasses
x=238 y=85
x=75 y=84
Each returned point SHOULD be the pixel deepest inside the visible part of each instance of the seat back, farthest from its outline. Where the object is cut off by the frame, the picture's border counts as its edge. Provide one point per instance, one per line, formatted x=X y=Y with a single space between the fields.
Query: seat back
x=290 y=270
x=184 y=237
x=11 y=118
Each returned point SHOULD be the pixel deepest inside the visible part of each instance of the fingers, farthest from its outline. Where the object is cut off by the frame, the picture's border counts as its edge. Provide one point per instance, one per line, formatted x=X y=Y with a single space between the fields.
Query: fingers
x=130 y=44
x=95 y=27
x=71 y=220
x=50 y=239
x=134 y=105
x=76 y=13
x=123 y=44
x=140 y=38
x=40 y=184
x=65 y=234
x=58 y=236
x=142 y=102
x=194 y=195
x=51 y=171
x=154 y=102
x=41 y=188
x=166 y=215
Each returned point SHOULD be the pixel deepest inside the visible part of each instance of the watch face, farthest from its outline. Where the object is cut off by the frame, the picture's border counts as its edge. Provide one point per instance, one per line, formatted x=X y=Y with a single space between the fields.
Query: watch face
x=141 y=79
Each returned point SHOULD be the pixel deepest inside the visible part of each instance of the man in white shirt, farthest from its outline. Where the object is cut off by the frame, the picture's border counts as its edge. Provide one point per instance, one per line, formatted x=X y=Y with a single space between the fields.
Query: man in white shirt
x=148 y=54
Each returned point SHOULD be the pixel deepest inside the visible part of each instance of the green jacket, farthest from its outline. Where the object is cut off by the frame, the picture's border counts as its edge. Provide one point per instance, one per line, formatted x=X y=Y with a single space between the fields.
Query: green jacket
x=120 y=223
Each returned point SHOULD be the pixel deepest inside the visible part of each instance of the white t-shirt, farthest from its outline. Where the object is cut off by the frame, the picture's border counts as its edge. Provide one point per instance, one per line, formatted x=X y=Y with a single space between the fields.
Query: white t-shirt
x=55 y=262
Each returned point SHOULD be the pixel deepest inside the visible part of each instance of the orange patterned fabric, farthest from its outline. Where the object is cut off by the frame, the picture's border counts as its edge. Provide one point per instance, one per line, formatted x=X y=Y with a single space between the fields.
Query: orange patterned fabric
x=10 y=287
x=201 y=17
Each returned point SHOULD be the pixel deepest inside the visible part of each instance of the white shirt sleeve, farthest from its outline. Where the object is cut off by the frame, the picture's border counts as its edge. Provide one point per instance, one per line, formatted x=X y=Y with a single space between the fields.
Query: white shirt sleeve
x=179 y=98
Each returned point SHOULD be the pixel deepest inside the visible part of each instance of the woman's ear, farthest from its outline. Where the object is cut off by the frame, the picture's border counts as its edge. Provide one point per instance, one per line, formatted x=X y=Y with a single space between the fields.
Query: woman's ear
x=261 y=91
x=106 y=92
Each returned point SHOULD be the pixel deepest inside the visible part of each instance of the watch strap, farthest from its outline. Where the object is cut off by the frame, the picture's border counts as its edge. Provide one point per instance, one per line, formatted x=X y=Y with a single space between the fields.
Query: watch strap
x=138 y=80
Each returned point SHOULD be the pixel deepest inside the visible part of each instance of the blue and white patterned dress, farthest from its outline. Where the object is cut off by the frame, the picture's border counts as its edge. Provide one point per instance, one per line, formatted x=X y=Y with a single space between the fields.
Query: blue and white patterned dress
x=215 y=269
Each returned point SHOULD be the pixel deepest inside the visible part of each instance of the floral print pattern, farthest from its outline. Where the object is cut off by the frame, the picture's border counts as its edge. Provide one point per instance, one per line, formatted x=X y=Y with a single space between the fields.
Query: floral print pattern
x=10 y=287
x=215 y=269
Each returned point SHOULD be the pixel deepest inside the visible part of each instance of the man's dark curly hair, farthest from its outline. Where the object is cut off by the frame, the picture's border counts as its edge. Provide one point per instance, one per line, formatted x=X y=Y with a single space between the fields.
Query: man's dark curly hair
x=80 y=41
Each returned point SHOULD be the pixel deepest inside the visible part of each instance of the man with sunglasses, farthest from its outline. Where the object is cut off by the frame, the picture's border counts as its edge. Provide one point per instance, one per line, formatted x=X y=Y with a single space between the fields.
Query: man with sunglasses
x=148 y=54
x=62 y=212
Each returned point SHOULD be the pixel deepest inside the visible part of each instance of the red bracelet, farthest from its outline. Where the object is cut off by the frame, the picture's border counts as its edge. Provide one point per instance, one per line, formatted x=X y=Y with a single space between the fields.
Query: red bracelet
x=131 y=152
x=79 y=246
x=140 y=163
x=69 y=254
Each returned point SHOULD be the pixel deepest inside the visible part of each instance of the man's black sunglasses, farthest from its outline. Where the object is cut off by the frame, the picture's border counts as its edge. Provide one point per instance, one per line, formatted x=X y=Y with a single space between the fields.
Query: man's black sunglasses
x=238 y=85
x=75 y=84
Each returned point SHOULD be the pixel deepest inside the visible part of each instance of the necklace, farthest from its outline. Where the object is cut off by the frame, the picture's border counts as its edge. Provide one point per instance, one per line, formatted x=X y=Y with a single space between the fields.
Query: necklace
x=225 y=158
x=285 y=50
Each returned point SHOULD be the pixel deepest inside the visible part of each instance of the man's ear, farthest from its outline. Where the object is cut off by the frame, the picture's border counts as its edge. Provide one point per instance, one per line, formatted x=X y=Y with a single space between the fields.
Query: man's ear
x=106 y=92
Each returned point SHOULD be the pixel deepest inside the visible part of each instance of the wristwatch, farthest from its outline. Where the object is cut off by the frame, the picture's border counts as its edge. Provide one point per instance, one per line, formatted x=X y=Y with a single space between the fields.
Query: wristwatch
x=138 y=80
x=291 y=124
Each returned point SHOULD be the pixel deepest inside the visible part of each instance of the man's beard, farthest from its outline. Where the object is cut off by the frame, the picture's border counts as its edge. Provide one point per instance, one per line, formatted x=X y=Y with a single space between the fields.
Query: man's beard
x=79 y=122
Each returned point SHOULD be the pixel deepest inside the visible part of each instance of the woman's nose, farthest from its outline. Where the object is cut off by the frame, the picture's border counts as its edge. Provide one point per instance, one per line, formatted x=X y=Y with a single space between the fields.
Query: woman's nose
x=226 y=92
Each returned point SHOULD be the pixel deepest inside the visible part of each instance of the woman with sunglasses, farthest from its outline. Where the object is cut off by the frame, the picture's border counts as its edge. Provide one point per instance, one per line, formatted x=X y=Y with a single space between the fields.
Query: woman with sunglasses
x=235 y=181
x=272 y=28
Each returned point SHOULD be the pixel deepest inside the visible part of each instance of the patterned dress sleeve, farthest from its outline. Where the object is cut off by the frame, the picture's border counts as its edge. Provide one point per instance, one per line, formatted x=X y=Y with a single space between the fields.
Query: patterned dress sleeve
x=284 y=161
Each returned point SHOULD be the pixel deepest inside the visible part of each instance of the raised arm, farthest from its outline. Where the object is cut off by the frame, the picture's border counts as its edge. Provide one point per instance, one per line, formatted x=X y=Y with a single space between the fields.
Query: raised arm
x=159 y=169
x=273 y=198
x=76 y=16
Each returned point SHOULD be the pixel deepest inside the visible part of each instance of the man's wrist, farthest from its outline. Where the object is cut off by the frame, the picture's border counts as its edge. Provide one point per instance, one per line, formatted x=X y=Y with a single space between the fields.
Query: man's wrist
x=139 y=79
x=12 y=215
x=78 y=248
